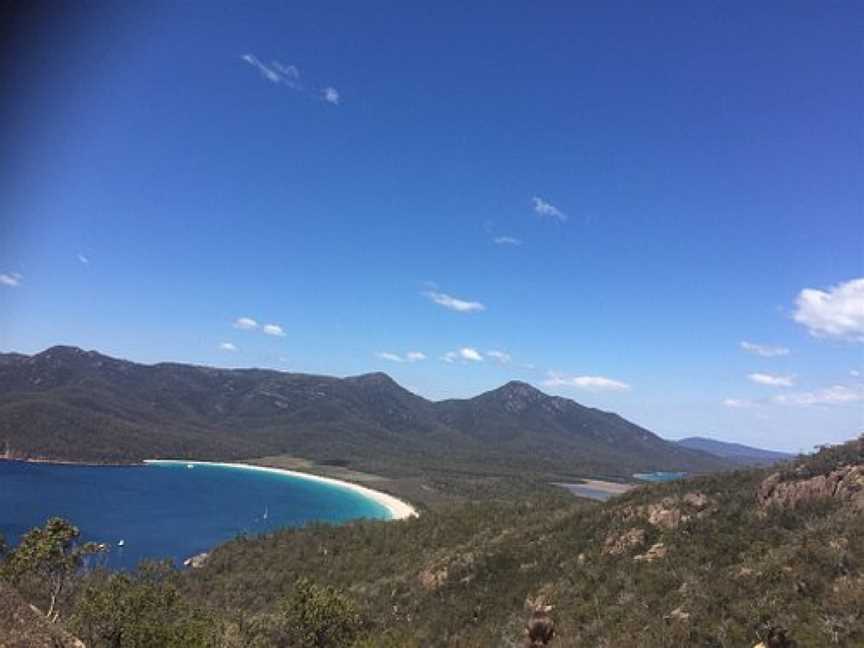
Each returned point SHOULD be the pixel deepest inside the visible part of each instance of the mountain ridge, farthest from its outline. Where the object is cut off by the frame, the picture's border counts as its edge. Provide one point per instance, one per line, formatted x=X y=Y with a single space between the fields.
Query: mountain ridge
x=71 y=404
x=737 y=452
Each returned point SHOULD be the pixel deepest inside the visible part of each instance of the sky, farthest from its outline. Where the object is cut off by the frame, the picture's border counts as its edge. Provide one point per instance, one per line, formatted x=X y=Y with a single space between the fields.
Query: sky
x=657 y=211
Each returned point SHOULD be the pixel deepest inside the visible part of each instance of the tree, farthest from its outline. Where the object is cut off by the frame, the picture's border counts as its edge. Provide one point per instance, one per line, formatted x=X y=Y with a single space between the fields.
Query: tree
x=311 y=617
x=49 y=555
x=141 y=608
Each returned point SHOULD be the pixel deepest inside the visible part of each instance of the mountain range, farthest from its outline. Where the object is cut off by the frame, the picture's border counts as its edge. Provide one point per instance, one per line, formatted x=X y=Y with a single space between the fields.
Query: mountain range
x=736 y=452
x=74 y=405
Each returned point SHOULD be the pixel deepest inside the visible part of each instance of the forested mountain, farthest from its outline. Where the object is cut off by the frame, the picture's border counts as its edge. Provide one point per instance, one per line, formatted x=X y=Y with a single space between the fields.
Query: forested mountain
x=70 y=404
x=735 y=452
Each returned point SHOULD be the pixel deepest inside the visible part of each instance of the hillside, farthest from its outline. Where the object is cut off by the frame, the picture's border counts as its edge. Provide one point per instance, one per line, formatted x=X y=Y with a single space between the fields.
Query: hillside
x=732 y=559
x=729 y=560
x=70 y=404
x=735 y=452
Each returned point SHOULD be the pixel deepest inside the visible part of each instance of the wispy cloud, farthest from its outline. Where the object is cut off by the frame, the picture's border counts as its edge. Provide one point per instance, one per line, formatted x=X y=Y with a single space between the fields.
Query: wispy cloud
x=589 y=383
x=836 y=313
x=834 y=395
x=763 y=350
x=465 y=354
x=12 y=279
x=227 y=346
x=331 y=95
x=83 y=259
x=459 y=305
x=771 y=380
x=506 y=240
x=411 y=356
x=245 y=323
x=501 y=357
x=544 y=208
x=269 y=73
x=289 y=76
x=273 y=329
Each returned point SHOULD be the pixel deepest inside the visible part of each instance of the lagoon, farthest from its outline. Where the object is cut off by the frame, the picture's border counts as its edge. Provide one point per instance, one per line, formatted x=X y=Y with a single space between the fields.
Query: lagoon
x=169 y=510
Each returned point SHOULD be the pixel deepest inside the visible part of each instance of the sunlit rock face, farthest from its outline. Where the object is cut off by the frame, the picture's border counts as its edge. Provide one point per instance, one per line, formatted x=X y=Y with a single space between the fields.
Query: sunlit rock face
x=844 y=484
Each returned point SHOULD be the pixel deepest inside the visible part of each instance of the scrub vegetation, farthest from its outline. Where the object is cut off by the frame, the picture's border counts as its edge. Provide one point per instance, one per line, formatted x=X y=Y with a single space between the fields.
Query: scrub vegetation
x=732 y=559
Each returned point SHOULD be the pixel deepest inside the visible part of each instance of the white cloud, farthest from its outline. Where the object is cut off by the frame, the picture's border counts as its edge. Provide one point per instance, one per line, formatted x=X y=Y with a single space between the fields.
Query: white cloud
x=465 y=354
x=771 y=380
x=854 y=373
x=273 y=329
x=507 y=240
x=470 y=354
x=276 y=72
x=590 y=383
x=83 y=259
x=12 y=279
x=227 y=346
x=544 y=208
x=501 y=357
x=837 y=312
x=453 y=303
x=737 y=403
x=331 y=95
x=763 y=350
x=268 y=73
x=288 y=72
x=245 y=323
x=834 y=395
x=411 y=356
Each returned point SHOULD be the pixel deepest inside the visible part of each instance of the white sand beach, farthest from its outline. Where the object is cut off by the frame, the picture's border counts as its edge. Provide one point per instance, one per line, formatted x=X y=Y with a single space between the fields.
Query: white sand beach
x=399 y=509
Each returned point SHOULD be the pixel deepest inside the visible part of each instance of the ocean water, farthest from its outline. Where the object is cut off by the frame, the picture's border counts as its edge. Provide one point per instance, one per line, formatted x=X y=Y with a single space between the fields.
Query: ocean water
x=167 y=510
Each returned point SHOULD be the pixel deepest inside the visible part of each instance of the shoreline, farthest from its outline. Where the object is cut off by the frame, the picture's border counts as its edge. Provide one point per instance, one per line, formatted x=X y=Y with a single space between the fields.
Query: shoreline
x=67 y=462
x=398 y=509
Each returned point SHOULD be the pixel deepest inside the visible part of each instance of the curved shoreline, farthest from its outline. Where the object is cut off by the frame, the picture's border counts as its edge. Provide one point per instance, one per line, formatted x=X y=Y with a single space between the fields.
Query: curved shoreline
x=398 y=509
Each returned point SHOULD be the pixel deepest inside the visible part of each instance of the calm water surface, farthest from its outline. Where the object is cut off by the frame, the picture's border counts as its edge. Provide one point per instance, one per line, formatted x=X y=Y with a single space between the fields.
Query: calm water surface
x=167 y=510
x=660 y=476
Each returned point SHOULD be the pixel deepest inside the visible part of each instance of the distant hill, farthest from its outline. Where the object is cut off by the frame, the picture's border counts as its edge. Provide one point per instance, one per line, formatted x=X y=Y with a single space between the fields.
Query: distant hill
x=735 y=452
x=70 y=404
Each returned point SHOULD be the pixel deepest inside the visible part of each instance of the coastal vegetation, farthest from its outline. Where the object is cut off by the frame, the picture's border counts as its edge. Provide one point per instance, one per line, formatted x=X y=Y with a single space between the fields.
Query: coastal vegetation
x=730 y=559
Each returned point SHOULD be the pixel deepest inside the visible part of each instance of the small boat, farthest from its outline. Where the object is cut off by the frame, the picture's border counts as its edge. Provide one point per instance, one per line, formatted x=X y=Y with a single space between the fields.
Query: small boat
x=190 y=466
x=121 y=543
x=266 y=513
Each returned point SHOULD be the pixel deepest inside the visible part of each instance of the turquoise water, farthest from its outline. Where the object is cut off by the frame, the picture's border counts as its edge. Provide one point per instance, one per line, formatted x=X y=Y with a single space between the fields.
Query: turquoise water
x=660 y=476
x=167 y=510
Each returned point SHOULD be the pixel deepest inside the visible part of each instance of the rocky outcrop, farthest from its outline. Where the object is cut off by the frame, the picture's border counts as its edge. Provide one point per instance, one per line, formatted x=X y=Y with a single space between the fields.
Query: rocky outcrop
x=844 y=484
x=619 y=543
x=197 y=561
x=670 y=512
x=656 y=552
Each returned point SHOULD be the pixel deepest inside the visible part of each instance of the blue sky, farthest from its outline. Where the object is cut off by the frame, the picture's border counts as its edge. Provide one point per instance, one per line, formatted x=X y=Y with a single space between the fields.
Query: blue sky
x=603 y=201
